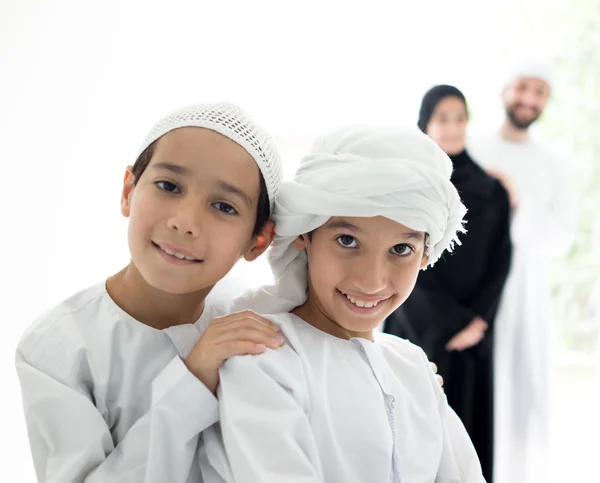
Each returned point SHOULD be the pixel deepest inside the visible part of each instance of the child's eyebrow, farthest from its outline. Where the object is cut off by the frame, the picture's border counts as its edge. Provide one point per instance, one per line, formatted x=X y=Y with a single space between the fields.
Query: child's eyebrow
x=223 y=185
x=344 y=225
x=172 y=167
x=414 y=235
x=234 y=190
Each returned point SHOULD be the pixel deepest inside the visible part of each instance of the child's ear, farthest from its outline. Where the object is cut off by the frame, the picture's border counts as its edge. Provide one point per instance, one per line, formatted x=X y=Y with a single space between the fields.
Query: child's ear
x=425 y=259
x=261 y=242
x=128 y=185
x=426 y=253
x=301 y=243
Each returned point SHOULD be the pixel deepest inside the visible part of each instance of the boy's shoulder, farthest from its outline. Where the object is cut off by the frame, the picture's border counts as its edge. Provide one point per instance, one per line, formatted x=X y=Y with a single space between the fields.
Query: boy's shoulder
x=403 y=353
x=282 y=362
x=398 y=345
x=292 y=335
x=409 y=363
x=54 y=330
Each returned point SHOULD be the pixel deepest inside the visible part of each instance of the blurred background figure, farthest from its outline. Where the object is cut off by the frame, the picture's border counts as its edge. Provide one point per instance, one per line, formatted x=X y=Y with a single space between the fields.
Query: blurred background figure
x=543 y=226
x=451 y=312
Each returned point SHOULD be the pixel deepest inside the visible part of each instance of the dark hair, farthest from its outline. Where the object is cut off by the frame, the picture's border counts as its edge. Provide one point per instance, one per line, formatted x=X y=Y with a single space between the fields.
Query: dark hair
x=432 y=98
x=263 y=211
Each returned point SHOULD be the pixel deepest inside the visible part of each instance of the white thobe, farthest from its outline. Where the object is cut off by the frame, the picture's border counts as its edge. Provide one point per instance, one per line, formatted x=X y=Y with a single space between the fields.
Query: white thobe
x=323 y=409
x=108 y=399
x=542 y=227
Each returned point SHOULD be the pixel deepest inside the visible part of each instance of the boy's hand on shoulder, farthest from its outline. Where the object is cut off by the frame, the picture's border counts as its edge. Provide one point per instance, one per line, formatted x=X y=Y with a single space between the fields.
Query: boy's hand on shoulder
x=237 y=334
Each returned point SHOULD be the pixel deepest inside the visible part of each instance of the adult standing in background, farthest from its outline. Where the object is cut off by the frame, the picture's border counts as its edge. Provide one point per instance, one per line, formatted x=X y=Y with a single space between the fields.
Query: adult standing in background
x=451 y=311
x=542 y=227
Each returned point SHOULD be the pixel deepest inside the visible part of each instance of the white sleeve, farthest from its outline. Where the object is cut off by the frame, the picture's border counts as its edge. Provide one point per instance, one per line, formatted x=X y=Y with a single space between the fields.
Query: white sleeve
x=71 y=442
x=549 y=228
x=265 y=431
x=459 y=462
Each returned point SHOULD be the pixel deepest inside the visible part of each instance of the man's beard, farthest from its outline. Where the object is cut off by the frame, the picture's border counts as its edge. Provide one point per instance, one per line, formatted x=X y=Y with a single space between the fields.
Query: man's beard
x=521 y=125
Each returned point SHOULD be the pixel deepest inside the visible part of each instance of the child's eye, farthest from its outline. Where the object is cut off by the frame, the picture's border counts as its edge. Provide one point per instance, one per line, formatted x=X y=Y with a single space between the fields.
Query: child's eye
x=402 y=250
x=347 y=241
x=168 y=187
x=225 y=208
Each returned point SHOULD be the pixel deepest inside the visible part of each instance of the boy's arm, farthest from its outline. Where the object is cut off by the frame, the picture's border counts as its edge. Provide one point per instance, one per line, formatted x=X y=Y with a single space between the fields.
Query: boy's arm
x=459 y=462
x=265 y=432
x=71 y=442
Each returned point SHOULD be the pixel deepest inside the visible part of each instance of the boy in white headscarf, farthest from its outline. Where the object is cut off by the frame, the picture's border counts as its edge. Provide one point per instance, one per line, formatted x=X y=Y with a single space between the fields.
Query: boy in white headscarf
x=368 y=208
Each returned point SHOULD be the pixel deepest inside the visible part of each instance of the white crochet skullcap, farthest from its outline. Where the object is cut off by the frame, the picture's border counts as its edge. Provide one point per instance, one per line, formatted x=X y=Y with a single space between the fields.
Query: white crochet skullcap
x=232 y=122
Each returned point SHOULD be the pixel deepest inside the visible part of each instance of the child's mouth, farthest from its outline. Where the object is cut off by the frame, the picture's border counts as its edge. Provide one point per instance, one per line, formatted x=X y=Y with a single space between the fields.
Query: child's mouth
x=356 y=304
x=174 y=256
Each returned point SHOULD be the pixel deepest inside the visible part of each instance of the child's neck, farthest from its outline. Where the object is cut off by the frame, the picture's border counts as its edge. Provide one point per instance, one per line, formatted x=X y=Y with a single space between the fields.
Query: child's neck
x=313 y=314
x=151 y=306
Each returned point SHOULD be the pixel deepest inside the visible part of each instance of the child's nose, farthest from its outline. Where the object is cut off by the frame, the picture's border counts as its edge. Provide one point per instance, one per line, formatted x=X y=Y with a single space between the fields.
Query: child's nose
x=187 y=220
x=369 y=275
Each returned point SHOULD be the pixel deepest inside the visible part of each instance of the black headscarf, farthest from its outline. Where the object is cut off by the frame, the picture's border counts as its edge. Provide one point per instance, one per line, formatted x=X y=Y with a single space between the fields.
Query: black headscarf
x=432 y=98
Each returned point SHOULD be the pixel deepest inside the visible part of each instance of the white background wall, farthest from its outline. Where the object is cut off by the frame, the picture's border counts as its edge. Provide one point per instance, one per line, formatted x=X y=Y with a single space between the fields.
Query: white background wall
x=81 y=83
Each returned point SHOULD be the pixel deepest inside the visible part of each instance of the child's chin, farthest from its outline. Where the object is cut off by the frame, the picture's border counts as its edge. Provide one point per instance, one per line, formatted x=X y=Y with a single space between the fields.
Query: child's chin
x=168 y=287
x=362 y=326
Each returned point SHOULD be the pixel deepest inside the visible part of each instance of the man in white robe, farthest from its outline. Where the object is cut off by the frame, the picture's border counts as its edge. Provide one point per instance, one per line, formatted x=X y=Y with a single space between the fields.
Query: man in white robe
x=542 y=227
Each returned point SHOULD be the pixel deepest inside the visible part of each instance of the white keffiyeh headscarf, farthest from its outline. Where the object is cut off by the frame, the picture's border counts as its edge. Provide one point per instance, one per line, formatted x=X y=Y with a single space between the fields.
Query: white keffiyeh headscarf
x=357 y=171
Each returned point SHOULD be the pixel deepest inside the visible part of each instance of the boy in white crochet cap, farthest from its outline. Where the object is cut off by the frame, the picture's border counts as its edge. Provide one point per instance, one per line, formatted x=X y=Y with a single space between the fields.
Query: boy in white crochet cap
x=368 y=208
x=115 y=385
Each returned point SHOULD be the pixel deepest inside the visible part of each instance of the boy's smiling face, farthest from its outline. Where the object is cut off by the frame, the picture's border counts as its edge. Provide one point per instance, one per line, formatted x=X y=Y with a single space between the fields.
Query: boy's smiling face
x=359 y=270
x=193 y=210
